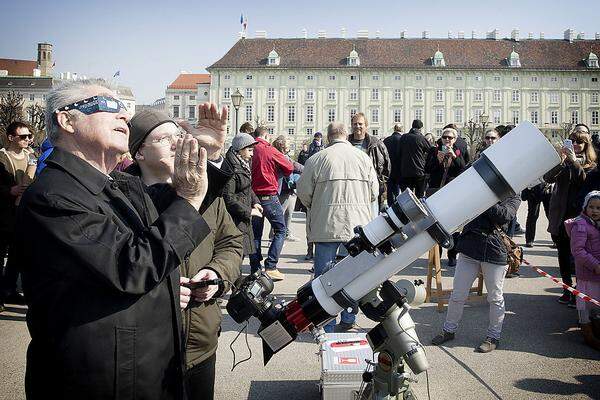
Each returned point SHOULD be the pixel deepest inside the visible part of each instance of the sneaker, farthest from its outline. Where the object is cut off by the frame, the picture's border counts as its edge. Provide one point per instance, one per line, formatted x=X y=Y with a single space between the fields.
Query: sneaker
x=452 y=262
x=1 y=307
x=346 y=327
x=553 y=246
x=15 y=298
x=489 y=344
x=291 y=238
x=572 y=301
x=308 y=257
x=275 y=275
x=520 y=231
x=565 y=298
x=442 y=338
x=311 y=270
x=528 y=244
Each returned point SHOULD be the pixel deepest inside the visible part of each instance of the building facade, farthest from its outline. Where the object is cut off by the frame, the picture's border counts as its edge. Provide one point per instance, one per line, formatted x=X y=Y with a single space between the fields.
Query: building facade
x=297 y=86
x=185 y=93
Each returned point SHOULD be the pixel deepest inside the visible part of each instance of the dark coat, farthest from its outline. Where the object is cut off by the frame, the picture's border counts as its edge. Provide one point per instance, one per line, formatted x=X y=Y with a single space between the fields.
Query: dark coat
x=303 y=156
x=480 y=238
x=592 y=182
x=102 y=283
x=314 y=148
x=436 y=170
x=381 y=162
x=414 y=149
x=564 y=203
x=239 y=199
x=392 y=143
x=7 y=201
x=463 y=146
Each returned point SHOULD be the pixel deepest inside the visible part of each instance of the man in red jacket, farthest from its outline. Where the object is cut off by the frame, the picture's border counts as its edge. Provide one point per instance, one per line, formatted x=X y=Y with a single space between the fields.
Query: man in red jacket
x=268 y=165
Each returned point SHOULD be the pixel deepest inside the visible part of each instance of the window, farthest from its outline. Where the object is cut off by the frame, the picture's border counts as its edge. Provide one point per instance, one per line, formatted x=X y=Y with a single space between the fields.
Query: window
x=515 y=117
x=192 y=97
x=458 y=115
x=554 y=79
x=534 y=79
x=310 y=113
x=332 y=77
x=291 y=131
x=439 y=78
x=594 y=79
x=398 y=94
x=477 y=114
x=554 y=117
x=271 y=77
x=418 y=77
x=354 y=94
x=397 y=115
x=270 y=93
x=353 y=77
x=227 y=77
x=176 y=97
x=478 y=78
x=515 y=79
x=459 y=95
x=31 y=97
x=353 y=112
x=418 y=94
x=594 y=97
x=331 y=115
x=497 y=115
x=497 y=95
x=226 y=93
x=534 y=117
x=374 y=94
x=419 y=113
x=459 y=78
x=249 y=93
x=553 y=97
x=310 y=77
x=375 y=132
x=248 y=77
x=228 y=112
x=496 y=79
x=516 y=95
x=375 y=116
x=292 y=77
x=309 y=131
x=291 y=94
x=44 y=97
x=375 y=77
x=397 y=78
x=595 y=117
x=439 y=95
x=574 y=97
x=310 y=95
x=270 y=113
x=535 y=97
x=292 y=114
x=331 y=95
x=192 y=112
x=248 y=113
x=175 y=111
x=270 y=130
x=575 y=116
x=574 y=79
x=439 y=115
x=478 y=96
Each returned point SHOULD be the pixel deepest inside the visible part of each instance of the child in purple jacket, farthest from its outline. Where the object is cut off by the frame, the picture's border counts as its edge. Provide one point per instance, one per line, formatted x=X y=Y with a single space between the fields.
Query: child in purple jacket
x=584 y=232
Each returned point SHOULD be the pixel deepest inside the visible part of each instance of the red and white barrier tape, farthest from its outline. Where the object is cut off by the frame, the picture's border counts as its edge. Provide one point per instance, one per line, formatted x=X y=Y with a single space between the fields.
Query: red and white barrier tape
x=576 y=292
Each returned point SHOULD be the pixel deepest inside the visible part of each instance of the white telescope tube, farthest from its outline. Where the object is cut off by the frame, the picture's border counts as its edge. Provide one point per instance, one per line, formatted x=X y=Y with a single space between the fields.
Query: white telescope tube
x=460 y=201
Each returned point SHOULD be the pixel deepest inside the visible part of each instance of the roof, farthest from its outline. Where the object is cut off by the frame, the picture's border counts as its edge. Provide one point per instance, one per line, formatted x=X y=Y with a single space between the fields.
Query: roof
x=18 y=67
x=551 y=54
x=189 y=81
x=18 y=82
x=125 y=93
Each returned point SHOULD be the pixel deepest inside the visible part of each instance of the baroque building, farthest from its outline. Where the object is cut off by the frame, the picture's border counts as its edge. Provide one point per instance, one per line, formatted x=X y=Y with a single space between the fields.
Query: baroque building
x=297 y=86
x=185 y=94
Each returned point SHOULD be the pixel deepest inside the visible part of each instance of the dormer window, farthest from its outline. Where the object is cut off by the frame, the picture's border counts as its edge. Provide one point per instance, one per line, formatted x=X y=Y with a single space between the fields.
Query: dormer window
x=353 y=60
x=438 y=59
x=513 y=60
x=592 y=61
x=273 y=59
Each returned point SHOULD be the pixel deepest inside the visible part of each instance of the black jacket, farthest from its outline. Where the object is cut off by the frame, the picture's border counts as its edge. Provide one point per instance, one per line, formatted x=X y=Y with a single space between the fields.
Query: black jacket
x=381 y=162
x=480 y=239
x=102 y=283
x=314 y=148
x=436 y=170
x=414 y=149
x=7 y=202
x=239 y=199
x=592 y=182
x=392 y=143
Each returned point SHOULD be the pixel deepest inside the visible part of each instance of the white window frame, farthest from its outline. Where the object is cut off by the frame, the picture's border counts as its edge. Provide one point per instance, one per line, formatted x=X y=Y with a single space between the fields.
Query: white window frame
x=270 y=113
x=397 y=94
x=375 y=115
x=418 y=94
x=439 y=95
x=291 y=114
x=331 y=115
x=270 y=93
x=459 y=95
x=375 y=94
x=291 y=94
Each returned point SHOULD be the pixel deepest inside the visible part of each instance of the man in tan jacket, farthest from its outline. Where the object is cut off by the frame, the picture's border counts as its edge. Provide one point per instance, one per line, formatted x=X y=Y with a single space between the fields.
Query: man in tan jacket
x=338 y=186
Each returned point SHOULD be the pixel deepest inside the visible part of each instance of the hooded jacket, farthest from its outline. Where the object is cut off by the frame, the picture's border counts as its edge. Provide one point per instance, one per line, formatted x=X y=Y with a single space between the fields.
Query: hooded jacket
x=585 y=247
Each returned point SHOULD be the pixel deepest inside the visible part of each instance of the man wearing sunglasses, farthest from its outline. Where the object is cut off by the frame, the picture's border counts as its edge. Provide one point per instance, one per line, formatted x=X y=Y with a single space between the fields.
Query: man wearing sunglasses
x=17 y=175
x=100 y=260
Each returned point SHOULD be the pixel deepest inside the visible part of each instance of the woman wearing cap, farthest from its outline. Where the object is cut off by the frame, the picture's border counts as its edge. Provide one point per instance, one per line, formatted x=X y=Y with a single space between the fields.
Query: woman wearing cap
x=240 y=200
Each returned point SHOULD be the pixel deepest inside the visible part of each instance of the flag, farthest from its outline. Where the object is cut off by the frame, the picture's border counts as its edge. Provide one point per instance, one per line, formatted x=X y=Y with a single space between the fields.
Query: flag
x=243 y=21
x=118 y=73
x=54 y=64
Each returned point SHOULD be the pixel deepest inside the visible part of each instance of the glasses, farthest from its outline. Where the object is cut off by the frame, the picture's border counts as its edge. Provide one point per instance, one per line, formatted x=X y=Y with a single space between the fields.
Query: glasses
x=491 y=137
x=578 y=141
x=95 y=104
x=21 y=137
x=448 y=137
x=167 y=140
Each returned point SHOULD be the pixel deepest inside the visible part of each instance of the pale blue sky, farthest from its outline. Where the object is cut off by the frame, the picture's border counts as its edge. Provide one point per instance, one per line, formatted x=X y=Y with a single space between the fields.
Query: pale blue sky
x=150 y=41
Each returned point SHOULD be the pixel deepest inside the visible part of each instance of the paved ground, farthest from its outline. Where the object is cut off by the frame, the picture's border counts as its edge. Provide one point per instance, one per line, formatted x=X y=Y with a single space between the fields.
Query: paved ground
x=542 y=355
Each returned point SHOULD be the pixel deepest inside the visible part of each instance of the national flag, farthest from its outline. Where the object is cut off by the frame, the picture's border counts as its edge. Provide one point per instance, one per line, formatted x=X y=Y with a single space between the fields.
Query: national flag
x=241 y=18
x=118 y=73
x=54 y=64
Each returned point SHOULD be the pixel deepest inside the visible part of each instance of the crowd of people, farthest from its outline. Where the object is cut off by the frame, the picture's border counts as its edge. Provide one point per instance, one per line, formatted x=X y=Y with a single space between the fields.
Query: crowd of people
x=126 y=216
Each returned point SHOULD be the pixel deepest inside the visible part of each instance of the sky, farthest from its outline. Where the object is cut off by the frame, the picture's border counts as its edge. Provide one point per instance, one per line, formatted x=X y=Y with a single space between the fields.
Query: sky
x=150 y=42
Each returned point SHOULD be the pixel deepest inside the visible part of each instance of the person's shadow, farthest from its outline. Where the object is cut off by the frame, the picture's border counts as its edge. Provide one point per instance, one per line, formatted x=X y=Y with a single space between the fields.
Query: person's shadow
x=587 y=386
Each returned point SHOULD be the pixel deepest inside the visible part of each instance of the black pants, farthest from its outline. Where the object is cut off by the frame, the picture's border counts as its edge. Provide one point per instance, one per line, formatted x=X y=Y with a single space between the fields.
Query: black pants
x=563 y=245
x=416 y=184
x=200 y=380
x=10 y=273
x=533 y=212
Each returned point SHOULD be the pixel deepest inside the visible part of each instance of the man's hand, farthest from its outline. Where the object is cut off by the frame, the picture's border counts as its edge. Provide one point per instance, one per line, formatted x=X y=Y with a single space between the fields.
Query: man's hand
x=211 y=129
x=17 y=190
x=258 y=207
x=257 y=211
x=184 y=292
x=189 y=178
x=205 y=293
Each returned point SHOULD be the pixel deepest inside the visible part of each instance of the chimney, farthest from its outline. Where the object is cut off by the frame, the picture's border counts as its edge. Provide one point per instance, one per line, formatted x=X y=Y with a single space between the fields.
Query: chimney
x=530 y=36
x=569 y=35
x=542 y=35
x=461 y=34
x=37 y=73
x=377 y=34
x=242 y=34
x=597 y=35
x=514 y=34
x=581 y=36
x=343 y=33
x=493 y=34
x=402 y=34
x=304 y=33
x=362 y=34
x=473 y=34
x=450 y=35
x=321 y=34
x=425 y=34
x=3 y=72
x=260 y=34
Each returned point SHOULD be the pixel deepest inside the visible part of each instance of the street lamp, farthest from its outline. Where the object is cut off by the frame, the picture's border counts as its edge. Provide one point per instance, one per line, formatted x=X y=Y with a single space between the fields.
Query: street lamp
x=236 y=100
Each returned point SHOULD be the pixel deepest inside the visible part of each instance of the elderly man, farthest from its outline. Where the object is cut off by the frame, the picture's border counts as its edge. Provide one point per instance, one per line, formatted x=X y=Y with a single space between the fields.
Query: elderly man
x=152 y=139
x=338 y=186
x=100 y=263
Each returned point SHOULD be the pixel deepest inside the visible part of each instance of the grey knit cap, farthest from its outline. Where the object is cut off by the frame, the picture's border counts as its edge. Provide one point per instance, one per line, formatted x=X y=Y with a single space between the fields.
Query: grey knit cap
x=142 y=124
x=242 y=140
x=594 y=194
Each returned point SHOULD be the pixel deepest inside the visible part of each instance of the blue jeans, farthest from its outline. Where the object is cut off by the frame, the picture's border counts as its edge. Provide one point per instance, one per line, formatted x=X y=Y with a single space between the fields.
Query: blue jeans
x=272 y=211
x=325 y=252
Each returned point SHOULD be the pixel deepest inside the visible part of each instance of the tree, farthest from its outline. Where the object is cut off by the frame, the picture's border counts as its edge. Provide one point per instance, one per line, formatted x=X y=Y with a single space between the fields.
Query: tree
x=37 y=121
x=11 y=110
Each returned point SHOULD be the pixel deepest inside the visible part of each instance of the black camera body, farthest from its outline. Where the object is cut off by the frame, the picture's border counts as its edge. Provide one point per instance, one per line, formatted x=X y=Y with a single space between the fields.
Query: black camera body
x=252 y=298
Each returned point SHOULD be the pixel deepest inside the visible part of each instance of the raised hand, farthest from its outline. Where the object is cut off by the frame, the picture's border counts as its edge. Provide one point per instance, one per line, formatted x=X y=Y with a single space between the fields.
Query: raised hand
x=211 y=129
x=189 y=177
